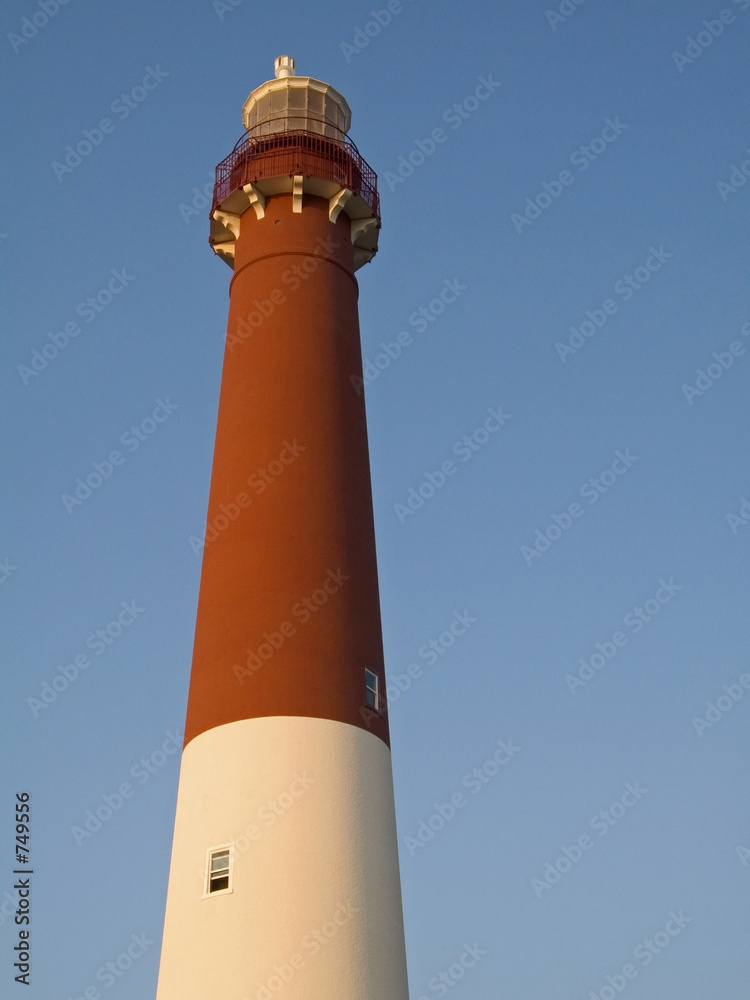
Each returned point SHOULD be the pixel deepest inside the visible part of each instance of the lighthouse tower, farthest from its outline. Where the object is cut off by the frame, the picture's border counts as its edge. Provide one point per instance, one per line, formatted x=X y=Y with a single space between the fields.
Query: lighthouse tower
x=284 y=871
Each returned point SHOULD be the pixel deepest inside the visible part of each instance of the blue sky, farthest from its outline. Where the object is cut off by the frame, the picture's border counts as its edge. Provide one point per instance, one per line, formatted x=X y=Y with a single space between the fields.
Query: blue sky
x=573 y=203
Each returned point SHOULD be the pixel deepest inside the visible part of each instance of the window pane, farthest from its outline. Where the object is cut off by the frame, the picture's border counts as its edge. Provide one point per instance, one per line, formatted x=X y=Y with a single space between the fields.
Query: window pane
x=278 y=100
x=297 y=97
x=371 y=690
x=222 y=882
x=220 y=861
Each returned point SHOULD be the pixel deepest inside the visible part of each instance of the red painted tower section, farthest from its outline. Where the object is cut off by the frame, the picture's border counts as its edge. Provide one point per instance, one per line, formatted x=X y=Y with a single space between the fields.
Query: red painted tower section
x=286 y=703
x=286 y=398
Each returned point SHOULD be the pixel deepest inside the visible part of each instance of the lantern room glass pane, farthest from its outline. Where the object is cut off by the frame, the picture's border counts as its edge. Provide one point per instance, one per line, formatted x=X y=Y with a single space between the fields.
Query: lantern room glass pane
x=297 y=97
x=278 y=100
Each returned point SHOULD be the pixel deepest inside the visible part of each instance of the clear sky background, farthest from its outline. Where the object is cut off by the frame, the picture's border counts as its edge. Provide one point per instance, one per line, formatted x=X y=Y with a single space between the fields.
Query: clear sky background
x=642 y=226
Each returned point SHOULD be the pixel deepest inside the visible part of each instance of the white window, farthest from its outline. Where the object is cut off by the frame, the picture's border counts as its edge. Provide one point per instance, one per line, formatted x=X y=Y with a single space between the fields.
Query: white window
x=372 y=694
x=219 y=863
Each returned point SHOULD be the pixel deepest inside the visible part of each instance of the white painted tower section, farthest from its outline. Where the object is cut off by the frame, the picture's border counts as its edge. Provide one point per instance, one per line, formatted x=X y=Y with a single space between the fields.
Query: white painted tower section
x=306 y=808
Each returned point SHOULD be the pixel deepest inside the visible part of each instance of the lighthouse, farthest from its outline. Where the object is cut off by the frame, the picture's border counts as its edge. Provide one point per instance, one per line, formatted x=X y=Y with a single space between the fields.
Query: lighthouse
x=284 y=871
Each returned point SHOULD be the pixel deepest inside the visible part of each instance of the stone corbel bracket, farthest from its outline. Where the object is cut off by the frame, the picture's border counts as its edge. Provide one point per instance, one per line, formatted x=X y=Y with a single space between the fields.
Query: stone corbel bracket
x=225 y=224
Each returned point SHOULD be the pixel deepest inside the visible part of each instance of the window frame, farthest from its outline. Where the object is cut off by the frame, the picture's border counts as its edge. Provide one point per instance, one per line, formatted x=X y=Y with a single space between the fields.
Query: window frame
x=377 y=695
x=210 y=854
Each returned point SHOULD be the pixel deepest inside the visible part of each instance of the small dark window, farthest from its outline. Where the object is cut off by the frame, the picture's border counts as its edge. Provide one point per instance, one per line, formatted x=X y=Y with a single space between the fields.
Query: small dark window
x=218 y=875
x=372 y=694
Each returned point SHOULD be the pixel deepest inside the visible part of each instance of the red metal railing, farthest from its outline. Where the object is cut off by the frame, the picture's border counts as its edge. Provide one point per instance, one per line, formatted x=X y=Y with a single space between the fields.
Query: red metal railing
x=283 y=154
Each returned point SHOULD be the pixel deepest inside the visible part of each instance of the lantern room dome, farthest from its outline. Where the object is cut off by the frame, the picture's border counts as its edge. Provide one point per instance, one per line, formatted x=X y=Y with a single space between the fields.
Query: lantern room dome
x=291 y=102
